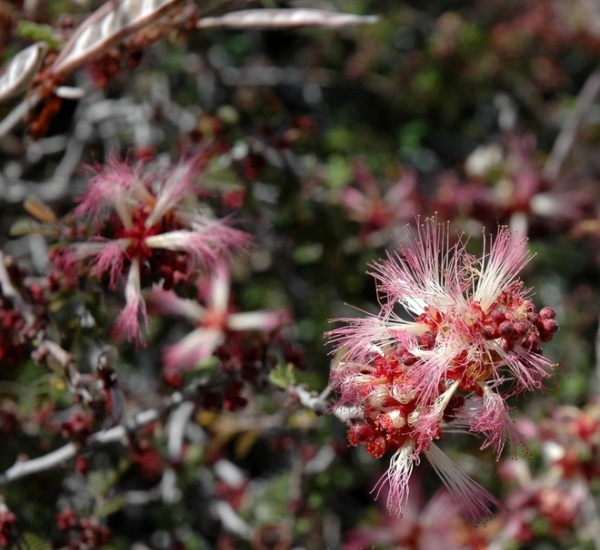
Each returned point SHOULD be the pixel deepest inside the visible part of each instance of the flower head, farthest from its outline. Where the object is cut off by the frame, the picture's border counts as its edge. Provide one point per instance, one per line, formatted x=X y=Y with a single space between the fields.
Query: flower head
x=435 y=523
x=380 y=213
x=471 y=337
x=212 y=318
x=148 y=227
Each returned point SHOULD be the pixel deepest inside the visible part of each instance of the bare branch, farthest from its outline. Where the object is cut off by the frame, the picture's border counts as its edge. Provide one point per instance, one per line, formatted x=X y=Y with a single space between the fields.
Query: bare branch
x=24 y=468
x=308 y=399
x=19 y=113
x=284 y=18
x=568 y=133
x=9 y=291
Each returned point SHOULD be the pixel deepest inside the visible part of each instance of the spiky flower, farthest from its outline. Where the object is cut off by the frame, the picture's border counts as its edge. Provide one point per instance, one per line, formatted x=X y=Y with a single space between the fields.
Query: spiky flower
x=148 y=227
x=213 y=320
x=468 y=337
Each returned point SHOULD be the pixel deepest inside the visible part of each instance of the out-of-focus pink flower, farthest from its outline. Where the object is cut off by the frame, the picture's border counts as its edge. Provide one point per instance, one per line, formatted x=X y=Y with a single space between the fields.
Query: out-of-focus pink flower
x=213 y=320
x=561 y=497
x=148 y=224
x=380 y=213
x=507 y=183
x=473 y=338
x=423 y=526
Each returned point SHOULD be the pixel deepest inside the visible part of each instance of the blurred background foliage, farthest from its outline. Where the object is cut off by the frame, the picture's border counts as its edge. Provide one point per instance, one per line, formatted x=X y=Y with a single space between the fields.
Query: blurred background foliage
x=333 y=141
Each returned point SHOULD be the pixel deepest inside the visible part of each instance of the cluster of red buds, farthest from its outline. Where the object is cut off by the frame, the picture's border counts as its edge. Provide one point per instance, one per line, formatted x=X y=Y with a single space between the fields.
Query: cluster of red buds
x=81 y=533
x=473 y=341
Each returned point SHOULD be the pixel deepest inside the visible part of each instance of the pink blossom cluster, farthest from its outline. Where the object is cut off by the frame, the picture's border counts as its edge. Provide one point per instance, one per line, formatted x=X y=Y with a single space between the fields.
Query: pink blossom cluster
x=560 y=502
x=151 y=236
x=471 y=339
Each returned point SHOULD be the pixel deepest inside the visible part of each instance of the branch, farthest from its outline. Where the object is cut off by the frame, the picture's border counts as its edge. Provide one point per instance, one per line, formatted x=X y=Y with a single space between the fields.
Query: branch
x=24 y=468
x=9 y=291
x=308 y=399
x=319 y=405
x=566 y=138
x=284 y=18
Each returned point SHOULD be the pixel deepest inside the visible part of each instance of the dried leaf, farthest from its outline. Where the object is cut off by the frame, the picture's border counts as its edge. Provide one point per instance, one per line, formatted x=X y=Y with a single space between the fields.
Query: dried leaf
x=245 y=442
x=284 y=18
x=39 y=210
x=108 y=25
x=21 y=70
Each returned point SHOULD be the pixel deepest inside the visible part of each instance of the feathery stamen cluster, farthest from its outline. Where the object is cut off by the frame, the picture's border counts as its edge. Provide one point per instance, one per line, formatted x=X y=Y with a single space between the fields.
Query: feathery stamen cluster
x=474 y=340
x=149 y=227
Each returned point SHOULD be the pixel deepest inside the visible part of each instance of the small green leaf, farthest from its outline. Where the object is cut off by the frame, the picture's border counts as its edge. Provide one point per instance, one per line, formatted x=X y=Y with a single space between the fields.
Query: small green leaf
x=283 y=376
x=24 y=227
x=31 y=541
x=339 y=172
x=38 y=33
x=111 y=506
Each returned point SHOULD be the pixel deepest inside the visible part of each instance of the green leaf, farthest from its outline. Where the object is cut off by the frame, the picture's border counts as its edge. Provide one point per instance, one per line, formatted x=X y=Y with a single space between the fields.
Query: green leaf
x=111 y=506
x=283 y=376
x=31 y=541
x=339 y=172
x=38 y=33
x=24 y=227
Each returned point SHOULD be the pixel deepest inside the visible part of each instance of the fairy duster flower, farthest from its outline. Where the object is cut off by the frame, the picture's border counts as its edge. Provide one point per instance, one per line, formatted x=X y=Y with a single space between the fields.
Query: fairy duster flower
x=148 y=224
x=468 y=336
x=212 y=318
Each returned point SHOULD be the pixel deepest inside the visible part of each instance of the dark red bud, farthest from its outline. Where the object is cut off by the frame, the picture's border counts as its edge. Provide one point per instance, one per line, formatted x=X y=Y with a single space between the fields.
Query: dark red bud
x=498 y=316
x=506 y=329
x=507 y=345
x=427 y=340
x=490 y=332
x=531 y=342
x=521 y=328
x=408 y=359
x=549 y=326
x=547 y=313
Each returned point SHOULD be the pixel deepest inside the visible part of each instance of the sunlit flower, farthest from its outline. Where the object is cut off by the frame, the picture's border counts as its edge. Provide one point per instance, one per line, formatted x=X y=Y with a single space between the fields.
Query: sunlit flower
x=470 y=337
x=148 y=227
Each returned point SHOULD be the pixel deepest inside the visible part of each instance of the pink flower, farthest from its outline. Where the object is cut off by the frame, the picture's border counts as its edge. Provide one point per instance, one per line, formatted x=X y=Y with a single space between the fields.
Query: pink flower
x=148 y=225
x=473 y=339
x=380 y=213
x=213 y=320
x=423 y=526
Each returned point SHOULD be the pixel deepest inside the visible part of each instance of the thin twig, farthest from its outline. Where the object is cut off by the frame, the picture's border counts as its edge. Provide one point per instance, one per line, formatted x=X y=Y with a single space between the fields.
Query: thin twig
x=308 y=399
x=19 y=113
x=24 y=468
x=9 y=291
x=319 y=404
x=566 y=138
